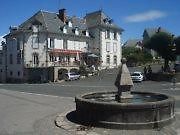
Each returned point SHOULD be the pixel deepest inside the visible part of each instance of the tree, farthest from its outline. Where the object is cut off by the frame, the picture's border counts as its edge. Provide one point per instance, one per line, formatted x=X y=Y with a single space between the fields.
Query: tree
x=162 y=43
x=177 y=43
x=135 y=55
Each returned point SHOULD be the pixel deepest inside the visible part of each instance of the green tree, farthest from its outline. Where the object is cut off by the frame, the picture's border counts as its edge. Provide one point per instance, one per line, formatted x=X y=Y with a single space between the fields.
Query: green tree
x=135 y=55
x=177 y=43
x=162 y=43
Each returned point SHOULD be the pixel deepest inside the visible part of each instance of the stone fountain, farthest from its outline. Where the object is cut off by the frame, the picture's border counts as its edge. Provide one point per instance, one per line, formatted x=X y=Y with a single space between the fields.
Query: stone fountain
x=125 y=109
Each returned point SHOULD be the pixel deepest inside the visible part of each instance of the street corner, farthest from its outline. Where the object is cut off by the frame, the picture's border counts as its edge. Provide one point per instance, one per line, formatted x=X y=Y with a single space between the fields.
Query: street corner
x=66 y=121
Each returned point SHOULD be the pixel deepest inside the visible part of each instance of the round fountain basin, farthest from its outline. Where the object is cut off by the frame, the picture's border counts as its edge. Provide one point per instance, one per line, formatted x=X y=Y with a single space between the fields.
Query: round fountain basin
x=143 y=110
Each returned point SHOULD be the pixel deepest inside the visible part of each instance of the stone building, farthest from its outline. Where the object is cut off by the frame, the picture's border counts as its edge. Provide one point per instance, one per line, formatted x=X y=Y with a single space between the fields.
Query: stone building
x=48 y=44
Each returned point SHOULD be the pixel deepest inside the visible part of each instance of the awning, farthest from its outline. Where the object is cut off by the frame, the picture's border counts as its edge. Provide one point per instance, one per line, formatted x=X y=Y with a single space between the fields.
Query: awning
x=93 y=55
x=65 y=51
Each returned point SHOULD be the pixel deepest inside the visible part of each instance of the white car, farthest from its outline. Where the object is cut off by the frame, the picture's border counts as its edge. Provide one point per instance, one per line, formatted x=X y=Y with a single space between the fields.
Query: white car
x=137 y=77
x=71 y=76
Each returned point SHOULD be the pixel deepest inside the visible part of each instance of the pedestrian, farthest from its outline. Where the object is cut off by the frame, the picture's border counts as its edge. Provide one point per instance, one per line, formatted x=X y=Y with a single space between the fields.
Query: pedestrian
x=145 y=70
x=149 y=74
x=149 y=69
x=162 y=69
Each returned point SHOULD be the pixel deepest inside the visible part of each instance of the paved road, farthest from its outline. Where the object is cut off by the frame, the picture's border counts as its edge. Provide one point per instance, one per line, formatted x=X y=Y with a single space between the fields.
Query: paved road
x=31 y=108
x=104 y=82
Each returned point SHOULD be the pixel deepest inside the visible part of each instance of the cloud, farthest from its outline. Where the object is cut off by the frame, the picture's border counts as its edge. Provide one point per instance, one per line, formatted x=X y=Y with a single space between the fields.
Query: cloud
x=146 y=16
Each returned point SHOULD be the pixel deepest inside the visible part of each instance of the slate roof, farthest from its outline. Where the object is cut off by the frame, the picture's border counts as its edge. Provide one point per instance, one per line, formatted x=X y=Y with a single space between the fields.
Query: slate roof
x=101 y=19
x=151 y=31
x=52 y=23
x=132 y=42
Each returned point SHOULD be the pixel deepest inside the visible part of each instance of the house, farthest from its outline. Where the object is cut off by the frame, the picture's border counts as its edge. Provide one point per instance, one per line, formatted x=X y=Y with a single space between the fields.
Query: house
x=107 y=38
x=148 y=33
x=48 y=44
x=137 y=43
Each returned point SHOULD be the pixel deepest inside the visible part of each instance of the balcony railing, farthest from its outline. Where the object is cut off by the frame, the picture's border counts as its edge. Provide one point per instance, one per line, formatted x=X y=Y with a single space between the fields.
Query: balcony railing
x=55 y=63
x=66 y=64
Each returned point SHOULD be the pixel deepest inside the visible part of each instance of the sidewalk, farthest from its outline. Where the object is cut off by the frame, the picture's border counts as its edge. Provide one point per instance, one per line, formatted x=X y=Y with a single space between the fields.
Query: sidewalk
x=35 y=114
x=30 y=114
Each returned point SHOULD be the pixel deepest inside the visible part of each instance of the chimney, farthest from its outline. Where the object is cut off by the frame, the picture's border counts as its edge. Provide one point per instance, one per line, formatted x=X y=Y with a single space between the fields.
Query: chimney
x=62 y=15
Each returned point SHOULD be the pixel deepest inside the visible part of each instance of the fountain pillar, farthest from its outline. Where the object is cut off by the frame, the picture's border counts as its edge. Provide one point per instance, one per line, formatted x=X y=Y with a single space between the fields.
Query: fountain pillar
x=123 y=82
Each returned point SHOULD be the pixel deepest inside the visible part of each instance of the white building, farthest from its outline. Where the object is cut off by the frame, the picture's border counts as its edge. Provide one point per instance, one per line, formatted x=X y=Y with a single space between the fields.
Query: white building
x=107 y=38
x=48 y=43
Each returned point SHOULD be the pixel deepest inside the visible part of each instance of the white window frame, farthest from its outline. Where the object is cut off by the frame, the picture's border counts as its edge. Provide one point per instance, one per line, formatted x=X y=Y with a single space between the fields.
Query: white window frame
x=114 y=47
x=64 y=30
x=76 y=31
x=108 y=46
x=115 y=59
x=108 y=59
x=107 y=34
x=115 y=35
x=51 y=42
x=35 y=42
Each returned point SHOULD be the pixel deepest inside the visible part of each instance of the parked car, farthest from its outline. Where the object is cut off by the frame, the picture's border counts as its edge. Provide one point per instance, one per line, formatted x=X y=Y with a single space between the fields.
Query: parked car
x=71 y=76
x=137 y=77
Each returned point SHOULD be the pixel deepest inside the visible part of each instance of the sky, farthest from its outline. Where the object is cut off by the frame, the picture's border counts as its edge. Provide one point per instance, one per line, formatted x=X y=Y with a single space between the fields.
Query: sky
x=131 y=15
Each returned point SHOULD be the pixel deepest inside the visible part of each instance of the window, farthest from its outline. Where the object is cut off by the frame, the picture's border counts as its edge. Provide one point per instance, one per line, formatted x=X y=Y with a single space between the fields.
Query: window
x=11 y=73
x=64 y=44
x=115 y=35
x=70 y=24
x=19 y=73
x=115 y=59
x=76 y=31
x=60 y=58
x=0 y=60
x=35 y=28
x=18 y=44
x=107 y=46
x=10 y=59
x=35 y=42
x=114 y=47
x=87 y=33
x=108 y=59
x=51 y=58
x=19 y=58
x=51 y=42
x=35 y=59
x=107 y=34
x=55 y=58
x=64 y=30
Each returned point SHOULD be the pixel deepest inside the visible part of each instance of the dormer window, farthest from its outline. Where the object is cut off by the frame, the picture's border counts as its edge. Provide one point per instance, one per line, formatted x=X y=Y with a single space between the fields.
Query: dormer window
x=35 y=28
x=110 y=21
x=64 y=29
x=76 y=31
x=86 y=33
x=70 y=24
x=105 y=20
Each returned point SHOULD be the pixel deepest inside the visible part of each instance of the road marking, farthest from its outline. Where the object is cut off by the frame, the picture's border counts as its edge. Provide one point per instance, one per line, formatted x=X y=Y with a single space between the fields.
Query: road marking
x=87 y=86
x=37 y=94
x=173 y=89
x=170 y=83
